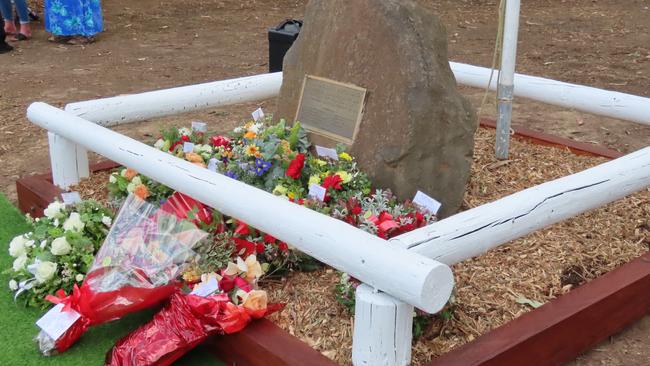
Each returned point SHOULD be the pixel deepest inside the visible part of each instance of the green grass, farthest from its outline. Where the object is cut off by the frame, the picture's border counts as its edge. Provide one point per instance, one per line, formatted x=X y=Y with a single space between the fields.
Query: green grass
x=17 y=328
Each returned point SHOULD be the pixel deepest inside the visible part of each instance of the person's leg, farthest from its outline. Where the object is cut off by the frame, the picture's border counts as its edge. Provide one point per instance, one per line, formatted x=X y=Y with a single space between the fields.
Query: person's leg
x=4 y=47
x=23 y=16
x=8 y=16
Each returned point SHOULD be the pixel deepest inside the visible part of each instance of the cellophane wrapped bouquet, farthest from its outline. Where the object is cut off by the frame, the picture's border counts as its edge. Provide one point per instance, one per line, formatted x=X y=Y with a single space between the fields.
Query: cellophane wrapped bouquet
x=137 y=267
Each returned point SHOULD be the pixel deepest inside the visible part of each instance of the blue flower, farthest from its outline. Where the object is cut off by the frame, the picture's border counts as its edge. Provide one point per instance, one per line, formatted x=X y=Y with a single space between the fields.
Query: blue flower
x=261 y=167
x=232 y=175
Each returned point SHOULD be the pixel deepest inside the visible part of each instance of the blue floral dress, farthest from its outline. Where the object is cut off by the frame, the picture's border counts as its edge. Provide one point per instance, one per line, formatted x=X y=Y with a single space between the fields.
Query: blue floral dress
x=73 y=17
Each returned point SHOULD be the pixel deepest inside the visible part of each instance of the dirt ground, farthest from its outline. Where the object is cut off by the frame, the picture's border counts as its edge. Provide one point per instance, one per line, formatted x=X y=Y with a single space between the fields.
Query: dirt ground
x=156 y=44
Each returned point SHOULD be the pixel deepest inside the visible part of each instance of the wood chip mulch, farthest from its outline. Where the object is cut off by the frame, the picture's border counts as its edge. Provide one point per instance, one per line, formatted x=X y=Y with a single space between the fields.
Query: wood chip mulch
x=538 y=267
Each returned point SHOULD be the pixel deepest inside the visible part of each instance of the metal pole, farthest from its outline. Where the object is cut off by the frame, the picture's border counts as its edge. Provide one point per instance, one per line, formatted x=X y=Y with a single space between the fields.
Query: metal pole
x=506 y=77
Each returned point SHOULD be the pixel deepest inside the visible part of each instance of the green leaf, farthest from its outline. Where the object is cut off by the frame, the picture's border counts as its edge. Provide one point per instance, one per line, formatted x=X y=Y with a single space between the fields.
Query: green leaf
x=532 y=303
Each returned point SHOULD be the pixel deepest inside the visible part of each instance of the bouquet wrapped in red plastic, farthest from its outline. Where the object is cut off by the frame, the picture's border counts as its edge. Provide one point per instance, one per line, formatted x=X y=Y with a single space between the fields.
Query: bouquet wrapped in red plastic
x=220 y=304
x=136 y=268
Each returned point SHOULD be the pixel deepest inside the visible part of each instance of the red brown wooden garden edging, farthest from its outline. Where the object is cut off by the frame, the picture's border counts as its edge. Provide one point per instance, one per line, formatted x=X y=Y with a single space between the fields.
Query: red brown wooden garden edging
x=552 y=334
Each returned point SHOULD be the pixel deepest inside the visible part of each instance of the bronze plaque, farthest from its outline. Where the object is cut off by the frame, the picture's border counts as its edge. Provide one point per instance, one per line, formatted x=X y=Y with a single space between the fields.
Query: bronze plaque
x=330 y=108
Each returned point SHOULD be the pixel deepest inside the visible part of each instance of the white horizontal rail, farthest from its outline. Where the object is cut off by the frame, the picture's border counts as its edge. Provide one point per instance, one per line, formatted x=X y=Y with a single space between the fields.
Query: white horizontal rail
x=408 y=276
x=167 y=102
x=584 y=98
x=473 y=232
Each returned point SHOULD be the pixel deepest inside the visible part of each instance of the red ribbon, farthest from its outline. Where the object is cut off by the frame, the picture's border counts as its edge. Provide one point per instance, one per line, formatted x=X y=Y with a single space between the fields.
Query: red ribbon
x=70 y=302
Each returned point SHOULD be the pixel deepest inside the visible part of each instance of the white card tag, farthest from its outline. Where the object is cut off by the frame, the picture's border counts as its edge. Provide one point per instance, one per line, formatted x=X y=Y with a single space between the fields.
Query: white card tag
x=199 y=126
x=258 y=114
x=212 y=165
x=427 y=202
x=326 y=152
x=206 y=288
x=55 y=322
x=71 y=198
x=317 y=192
x=188 y=147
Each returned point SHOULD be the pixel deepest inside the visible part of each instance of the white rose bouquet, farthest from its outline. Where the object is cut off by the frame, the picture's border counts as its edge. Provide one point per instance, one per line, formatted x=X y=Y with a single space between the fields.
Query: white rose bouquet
x=59 y=250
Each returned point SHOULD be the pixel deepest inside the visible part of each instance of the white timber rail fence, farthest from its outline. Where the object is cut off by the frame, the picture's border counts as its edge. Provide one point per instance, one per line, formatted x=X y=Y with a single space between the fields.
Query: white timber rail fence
x=406 y=279
x=411 y=269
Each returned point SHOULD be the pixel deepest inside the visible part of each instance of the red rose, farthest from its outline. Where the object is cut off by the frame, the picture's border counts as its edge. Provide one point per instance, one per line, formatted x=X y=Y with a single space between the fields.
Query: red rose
x=333 y=181
x=242 y=229
x=260 y=248
x=269 y=239
x=244 y=248
x=220 y=141
x=283 y=246
x=295 y=167
x=185 y=138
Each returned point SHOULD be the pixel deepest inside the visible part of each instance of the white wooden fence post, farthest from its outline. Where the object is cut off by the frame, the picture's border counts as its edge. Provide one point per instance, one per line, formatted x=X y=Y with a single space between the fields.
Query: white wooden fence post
x=382 y=329
x=68 y=160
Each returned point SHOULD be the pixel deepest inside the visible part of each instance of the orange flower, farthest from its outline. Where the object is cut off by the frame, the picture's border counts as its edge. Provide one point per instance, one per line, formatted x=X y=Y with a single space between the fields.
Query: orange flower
x=256 y=300
x=141 y=191
x=193 y=157
x=250 y=135
x=252 y=150
x=129 y=174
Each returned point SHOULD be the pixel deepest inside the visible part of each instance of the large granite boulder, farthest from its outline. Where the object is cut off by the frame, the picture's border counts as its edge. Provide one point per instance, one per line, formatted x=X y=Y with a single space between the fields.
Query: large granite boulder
x=417 y=131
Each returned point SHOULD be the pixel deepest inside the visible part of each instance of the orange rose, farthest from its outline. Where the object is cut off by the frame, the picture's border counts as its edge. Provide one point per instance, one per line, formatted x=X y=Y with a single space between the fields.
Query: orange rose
x=193 y=157
x=256 y=300
x=129 y=174
x=141 y=191
x=250 y=135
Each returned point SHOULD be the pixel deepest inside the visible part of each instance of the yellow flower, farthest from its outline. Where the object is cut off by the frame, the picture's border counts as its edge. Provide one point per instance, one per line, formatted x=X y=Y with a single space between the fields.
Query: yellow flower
x=252 y=150
x=314 y=179
x=280 y=190
x=345 y=176
x=253 y=268
x=320 y=162
x=190 y=276
x=256 y=300
x=250 y=135
x=345 y=156
x=291 y=195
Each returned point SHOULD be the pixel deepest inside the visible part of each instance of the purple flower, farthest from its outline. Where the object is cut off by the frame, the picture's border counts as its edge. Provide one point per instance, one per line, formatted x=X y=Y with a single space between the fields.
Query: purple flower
x=261 y=167
x=232 y=175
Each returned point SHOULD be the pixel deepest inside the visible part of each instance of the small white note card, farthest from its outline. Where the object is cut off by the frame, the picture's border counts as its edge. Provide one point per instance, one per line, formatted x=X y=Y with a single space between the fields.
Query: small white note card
x=199 y=126
x=212 y=165
x=71 y=198
x=54 y=323
x=206 y=288
x=188 y=147
x=326 y=152
x=258 y=114
x=427 y=202
x=317 y=192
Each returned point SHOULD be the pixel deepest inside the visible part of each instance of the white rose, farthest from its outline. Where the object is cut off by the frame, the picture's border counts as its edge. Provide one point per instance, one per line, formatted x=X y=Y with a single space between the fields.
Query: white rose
x=54 y=210
x=159 y=144
x=136 y=180
x=17 y=246
x=106 y=220
x=73 y=223
x=20 y=263
x=45 y=271
x=30 y=243
x=56 y=223
x=112 y=178
x=13 y=285
x=131 y=187
x=60 y=246
x=79 y=277
x=123 y=173
x=43 y=244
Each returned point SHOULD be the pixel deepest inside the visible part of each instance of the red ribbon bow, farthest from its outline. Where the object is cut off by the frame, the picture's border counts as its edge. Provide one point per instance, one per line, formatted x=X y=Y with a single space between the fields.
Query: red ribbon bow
x=70 y=302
